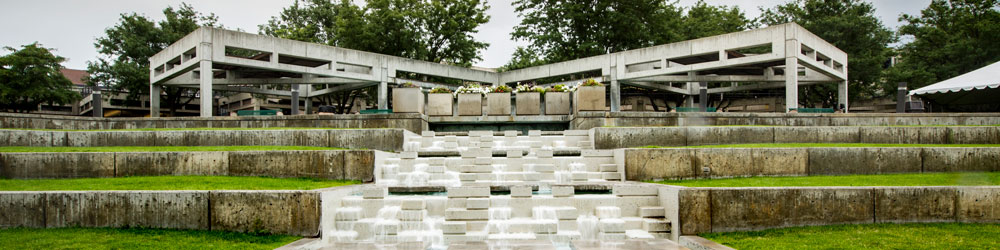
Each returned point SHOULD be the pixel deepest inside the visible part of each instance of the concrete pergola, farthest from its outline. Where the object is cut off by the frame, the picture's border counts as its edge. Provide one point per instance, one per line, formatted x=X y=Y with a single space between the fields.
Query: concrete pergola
x=239 y=60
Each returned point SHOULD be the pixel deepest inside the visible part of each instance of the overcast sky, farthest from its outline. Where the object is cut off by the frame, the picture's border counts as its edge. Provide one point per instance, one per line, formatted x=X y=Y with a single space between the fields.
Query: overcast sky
x=70 y=26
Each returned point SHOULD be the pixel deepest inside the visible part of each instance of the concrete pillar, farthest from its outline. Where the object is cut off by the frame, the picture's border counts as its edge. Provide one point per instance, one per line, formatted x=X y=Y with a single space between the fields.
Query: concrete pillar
x=295 y=100
x=383 y=95
x=901 y=98
x=842 y=96
x=691 y=88
x=205 y=87
x=616 y=97
x=703 y=96
x=791 y=75
x=96 y=102
x=154 y=100
x=309 y=100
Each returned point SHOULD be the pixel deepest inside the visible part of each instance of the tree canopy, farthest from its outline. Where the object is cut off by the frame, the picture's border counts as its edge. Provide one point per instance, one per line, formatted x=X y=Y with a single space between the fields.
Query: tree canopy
x=31 y=76
x=950 y=38
x=850 y=25
x=125 y=49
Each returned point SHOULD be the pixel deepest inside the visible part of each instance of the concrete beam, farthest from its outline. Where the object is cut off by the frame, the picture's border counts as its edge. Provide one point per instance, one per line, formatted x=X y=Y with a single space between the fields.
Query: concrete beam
x=346 y=87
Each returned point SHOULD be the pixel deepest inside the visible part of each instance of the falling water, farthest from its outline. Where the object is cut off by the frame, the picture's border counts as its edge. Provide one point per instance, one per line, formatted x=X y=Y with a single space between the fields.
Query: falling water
x=587 y=225
x=387 y=218
x=418 y=177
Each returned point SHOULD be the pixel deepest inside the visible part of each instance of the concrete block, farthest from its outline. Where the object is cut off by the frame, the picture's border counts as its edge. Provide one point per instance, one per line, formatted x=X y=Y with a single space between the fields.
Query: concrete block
x=840 y=161
x=741 y=209
x=655 y=225
x=457 y=214
x=470 y=104
x=427 y=133
x=978 y=204
x=408 y=155
x=412 y=215
x=612 y=226
x=649 y=164
x=611 y=176
x=483 y=161
x=87 y=209
x=567 y=213
x=545 y=168
x=514 y=154
x=453 y=227
x=612 y=138
x=168 y=209
x=412 y=204
x=596 y=153
x=498 y=104
x=468 y=192
x=839 y=134
x=375 y=193
x=543 y=153
x=915 y=204
x=984 y=159
x=729 y=135
x=281 y=212
x=534 y=133
x=638 y=235
x=611 y=236
x=557 y=103
x=635 y=190
x=477 y=203
x=633 y=223
x=61 y=165
x=651 y=212
x=562 y=191
x=520 y=191
x=510 y=133
x=439 y=104
x=22 y=209
x=609 y=167
x=171 y=163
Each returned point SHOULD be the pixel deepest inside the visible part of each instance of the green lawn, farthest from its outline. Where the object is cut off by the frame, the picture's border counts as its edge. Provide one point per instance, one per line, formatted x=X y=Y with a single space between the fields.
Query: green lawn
x=869 y=236
x=160 y=148
x=171 y=183
x=106 y=238
x=832 y=145
x=924 y=179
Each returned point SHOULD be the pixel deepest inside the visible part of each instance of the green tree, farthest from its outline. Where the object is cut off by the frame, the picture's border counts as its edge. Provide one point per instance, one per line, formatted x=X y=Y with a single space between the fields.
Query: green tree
x=950 y=38
x=31 y=76
x=850 y=25
x=703 y=20
x=123 y=64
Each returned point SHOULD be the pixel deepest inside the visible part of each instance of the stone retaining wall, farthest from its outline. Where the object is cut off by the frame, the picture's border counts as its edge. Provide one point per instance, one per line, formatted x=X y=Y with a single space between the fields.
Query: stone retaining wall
x=693 y=163
x=379 y=139
x=588 y=120
x=703 y=210
x=323 y=164
x=279 y=212
x=411 y=122
x=611 y=138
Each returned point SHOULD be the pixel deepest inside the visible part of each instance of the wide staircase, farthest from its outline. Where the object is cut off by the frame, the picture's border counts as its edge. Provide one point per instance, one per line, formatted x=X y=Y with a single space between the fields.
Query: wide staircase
x=485 y=186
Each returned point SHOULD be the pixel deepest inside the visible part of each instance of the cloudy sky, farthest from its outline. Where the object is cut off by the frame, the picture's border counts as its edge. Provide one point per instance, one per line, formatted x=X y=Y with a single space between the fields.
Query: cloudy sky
x=70 y=26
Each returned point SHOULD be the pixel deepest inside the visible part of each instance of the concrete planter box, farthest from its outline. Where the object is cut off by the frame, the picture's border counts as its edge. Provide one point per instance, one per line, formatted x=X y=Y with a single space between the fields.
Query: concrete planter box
x=556 y=103
x=407 y=100
x=589 y=98
x=529 y=103
x=440 y=104
x=470 y=104
x=498 y=103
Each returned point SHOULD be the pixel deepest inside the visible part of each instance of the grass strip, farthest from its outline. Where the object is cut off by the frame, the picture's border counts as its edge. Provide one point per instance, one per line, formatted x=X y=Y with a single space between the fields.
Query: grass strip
x=133 y=238
x=159 y=149
x=832 y=145
x=922 y=179
x=171 y=183
x=867 y=236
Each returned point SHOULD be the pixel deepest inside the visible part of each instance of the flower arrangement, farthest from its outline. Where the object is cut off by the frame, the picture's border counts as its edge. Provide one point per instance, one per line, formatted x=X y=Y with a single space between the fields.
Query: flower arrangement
x=440 y=90
x=500 y=89
x=591 y=83
x=528 y=88
x=559 y=88
x=472 y=89
x=407 y=85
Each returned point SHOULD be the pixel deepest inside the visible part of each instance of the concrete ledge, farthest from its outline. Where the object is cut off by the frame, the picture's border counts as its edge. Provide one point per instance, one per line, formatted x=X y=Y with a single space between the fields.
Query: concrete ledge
x=588 y=120
x=611 y=138
x=379 y=139
x=323 y=164
x=703 y=210
x=411 y=122
x=279 y=212
x=694 y=163
x=698 y=243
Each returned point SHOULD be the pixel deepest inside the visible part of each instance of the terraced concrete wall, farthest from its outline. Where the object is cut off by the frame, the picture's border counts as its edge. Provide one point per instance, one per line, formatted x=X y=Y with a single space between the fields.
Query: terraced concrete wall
x=611 y=138
x=379 y=139
x=588 y=120
x=694 y=163
x=279 y=212
x=411 y=122
x=702 y=210
x=325 y=164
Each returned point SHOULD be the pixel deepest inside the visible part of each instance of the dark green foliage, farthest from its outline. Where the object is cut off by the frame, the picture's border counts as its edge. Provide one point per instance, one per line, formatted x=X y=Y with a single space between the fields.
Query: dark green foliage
x=850 y=25
x=950 y=38
x=125 y=49
x=31 y=76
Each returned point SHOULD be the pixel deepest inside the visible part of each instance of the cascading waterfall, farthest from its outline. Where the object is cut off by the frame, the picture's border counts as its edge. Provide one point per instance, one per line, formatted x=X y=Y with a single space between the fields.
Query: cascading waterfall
x=587 y=225
x=388 y=216
x=418 y=177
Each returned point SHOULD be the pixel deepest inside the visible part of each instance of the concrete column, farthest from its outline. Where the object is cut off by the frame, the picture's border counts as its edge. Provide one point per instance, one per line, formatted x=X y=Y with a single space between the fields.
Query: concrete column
x=383 y=95
x=901 y=98
x=309 y=100
x=205 y=87
x=96 y=102
x=791 y=83
x=691 y=88
x=616 y=97
x=295 y=99
x=842 y=95
x=154 y=100
x=703 y=96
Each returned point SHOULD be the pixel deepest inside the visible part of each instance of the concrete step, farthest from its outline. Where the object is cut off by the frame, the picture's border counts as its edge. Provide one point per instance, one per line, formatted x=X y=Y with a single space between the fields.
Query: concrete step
x=651 y=212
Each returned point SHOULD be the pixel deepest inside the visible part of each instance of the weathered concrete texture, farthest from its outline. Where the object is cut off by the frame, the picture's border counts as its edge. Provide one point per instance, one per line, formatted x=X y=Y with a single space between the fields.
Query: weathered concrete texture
x=62 y=165
x=974 y=135
x=915 y=204
x=380 y=139
x=979 y=204
x=171 y=163
x=412 y=122
x=86 y=209
x=961 y=159
x=816 y=135
x=280 y=212
x=324 y=164
x=557 y=103
x=694 y=211
x=680 y=163
x=743 y=209
x=440 y=104
x=528 y=103
x=729 y=135
x=588 y=120
x=648 y=164
x=611 y=138
x=22 y=209
x=843 y=161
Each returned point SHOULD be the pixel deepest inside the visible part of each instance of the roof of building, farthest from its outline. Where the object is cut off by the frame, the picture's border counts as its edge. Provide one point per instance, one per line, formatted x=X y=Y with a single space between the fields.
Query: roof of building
x=75 y=75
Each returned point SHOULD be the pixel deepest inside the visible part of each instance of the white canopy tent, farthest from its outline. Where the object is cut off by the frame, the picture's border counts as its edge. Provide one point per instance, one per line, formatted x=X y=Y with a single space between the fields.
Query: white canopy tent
x=977 y=87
